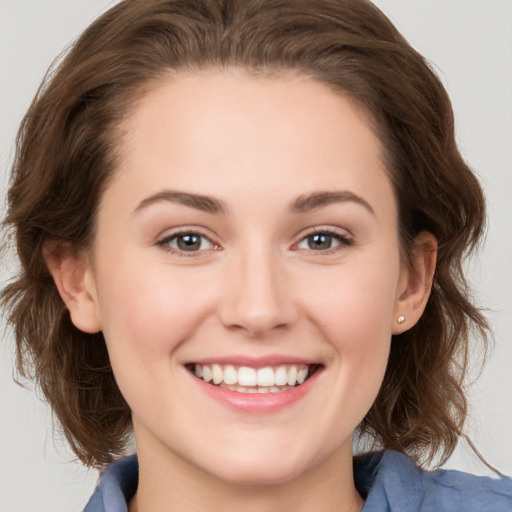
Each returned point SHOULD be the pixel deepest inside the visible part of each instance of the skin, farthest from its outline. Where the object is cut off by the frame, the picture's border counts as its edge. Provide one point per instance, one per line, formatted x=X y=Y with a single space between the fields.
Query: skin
x=255 y=287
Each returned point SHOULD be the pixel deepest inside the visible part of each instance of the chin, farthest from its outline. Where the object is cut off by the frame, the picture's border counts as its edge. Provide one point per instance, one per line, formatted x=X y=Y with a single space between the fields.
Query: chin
x=262 y=474
x=259 y=466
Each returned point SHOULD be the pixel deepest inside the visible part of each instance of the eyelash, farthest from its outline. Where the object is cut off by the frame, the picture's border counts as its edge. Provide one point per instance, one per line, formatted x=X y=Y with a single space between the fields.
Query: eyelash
x=167 y=240
x=342 y=241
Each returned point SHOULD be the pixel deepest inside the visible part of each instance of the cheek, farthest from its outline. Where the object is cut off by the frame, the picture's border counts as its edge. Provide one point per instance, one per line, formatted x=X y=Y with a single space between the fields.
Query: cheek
x=146 y=315
x=356 y=318
x=149 y=310
x=355 y=308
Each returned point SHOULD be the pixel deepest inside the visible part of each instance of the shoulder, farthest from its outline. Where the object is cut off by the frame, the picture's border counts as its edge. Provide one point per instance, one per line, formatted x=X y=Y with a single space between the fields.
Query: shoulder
x=392 y=482
x=116 y=487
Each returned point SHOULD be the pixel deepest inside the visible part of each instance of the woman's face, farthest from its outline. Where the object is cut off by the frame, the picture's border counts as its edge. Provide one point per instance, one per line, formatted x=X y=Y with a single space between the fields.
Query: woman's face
x=249 y=235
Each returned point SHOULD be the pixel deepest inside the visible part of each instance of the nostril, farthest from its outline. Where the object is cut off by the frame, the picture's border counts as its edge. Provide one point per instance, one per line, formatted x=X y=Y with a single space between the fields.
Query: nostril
x=258 y=302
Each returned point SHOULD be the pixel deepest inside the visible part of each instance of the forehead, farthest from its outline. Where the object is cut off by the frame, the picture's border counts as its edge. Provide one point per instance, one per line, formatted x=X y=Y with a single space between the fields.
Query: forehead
x=218 y=131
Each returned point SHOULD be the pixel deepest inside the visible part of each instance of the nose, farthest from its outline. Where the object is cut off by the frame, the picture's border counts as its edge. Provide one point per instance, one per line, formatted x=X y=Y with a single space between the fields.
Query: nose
x=258 y=298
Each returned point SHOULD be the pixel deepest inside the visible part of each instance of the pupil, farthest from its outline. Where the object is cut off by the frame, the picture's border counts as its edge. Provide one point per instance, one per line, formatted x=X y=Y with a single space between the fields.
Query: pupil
x=189 y=242
x=319 y=241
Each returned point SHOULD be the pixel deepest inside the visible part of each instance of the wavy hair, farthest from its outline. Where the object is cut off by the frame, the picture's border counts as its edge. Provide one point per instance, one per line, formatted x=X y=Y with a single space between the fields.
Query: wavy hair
x=66 y=151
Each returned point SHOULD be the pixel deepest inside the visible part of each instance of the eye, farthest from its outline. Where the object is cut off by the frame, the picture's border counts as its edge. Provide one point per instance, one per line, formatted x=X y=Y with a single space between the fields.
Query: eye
x=187 y=242
x=323 y=241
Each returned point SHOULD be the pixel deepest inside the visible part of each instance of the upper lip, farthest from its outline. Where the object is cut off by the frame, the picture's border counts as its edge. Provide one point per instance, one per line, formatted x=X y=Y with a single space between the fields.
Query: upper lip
x=255 y=362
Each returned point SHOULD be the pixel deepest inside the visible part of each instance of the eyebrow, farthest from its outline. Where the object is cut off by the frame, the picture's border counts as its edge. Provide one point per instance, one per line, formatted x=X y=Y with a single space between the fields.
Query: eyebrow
x=197 y=201
x=304 y=204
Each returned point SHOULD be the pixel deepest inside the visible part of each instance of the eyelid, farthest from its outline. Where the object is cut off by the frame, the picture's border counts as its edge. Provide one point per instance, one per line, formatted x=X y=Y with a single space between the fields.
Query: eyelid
x=345 y=238
x=164 y=240
x=342 y=235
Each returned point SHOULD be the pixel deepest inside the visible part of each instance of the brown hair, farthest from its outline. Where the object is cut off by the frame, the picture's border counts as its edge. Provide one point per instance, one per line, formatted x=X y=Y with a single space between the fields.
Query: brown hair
x=66 y=151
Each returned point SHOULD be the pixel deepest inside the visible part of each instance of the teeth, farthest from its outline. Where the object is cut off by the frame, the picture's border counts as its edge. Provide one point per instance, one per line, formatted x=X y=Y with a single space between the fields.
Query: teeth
x=243 y=389
x=230 y=375
x=206 y=371
x=246 y=376
x=218 y=374
x=265 y=377
x=301 y=376
x=292 y=376
x=281 y=376
x=251 y=380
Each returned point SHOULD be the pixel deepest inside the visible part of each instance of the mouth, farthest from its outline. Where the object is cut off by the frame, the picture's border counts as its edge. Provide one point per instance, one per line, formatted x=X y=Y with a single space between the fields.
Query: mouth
x=246 y=379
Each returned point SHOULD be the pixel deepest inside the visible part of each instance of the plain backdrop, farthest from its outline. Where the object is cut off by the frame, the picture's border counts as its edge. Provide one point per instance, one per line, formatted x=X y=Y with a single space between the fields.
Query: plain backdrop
x=469 y=42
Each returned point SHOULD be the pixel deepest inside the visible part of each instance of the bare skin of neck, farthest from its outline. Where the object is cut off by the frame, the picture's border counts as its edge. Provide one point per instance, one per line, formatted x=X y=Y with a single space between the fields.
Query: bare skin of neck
x=267 y=503
x=171 y=485
x=255 y=499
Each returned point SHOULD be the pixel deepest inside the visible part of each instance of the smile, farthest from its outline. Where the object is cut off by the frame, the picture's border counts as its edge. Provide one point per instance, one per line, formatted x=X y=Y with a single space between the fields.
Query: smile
x=245 y=379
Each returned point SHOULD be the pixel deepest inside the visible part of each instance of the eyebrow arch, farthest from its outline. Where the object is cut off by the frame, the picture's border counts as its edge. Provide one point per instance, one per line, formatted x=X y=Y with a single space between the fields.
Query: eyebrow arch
x=199 y=202
x=315 y=200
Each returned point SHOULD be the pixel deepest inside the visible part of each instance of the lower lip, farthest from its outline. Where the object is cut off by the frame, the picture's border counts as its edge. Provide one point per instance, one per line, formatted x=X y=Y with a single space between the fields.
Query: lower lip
x=257 y=402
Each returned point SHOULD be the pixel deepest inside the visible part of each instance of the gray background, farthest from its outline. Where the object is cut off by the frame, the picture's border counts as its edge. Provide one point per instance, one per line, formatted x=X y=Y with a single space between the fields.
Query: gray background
x=470 y=44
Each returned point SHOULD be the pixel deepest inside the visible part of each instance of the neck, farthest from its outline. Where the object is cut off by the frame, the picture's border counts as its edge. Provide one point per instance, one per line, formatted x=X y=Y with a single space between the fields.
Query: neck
x=168 y=483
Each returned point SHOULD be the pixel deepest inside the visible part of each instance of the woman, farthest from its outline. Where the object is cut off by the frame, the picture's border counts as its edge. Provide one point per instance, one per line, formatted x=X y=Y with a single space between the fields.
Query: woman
x=241 y=227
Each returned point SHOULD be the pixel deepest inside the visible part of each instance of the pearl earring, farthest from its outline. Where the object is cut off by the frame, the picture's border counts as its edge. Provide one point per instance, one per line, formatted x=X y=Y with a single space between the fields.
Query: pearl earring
x=401 y=319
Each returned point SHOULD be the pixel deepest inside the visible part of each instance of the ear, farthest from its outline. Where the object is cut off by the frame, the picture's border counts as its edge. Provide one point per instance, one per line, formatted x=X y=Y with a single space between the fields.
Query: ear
x=74 y=280
x=416 y=283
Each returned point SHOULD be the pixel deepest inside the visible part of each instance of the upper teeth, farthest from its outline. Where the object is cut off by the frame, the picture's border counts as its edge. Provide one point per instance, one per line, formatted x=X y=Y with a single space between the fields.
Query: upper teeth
x=284 y=375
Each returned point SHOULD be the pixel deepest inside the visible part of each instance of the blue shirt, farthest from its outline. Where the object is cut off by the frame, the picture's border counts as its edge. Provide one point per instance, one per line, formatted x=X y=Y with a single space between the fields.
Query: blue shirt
x=389 y=481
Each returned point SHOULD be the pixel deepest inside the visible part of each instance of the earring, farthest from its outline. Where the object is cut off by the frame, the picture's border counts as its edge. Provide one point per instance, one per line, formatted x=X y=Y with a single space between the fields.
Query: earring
x=400 y=319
